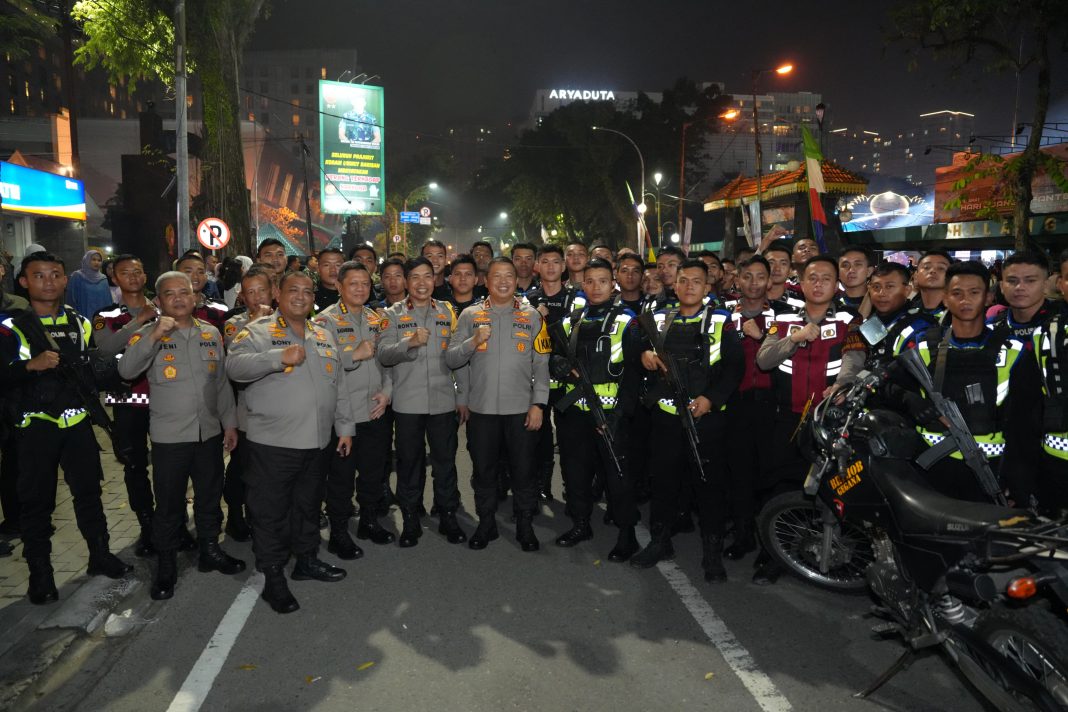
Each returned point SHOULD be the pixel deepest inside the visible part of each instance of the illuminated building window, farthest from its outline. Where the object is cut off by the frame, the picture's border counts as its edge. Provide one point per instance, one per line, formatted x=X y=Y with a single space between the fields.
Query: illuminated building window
x=12 y=106
x=322 y=72
x=296 y=119
x=41 y=52
x=27 y=89
x=122 y=114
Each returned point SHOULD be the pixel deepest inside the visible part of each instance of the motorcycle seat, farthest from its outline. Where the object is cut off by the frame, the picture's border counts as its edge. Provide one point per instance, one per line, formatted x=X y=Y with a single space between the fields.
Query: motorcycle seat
x=921 y=511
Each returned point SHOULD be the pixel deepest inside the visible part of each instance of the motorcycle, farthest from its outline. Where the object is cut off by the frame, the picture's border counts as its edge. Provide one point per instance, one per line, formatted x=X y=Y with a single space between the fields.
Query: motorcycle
x=984 y=583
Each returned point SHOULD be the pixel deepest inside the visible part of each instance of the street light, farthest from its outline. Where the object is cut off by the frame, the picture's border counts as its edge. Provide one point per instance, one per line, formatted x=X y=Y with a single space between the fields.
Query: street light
x=503 y=215
x=641 y=160
x=728 y=115
x=782 y=70
x=657 y=177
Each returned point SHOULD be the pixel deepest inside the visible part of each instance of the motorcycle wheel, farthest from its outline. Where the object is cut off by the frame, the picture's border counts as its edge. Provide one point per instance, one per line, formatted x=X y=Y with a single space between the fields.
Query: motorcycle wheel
x=1035 y=642
x=791 y=528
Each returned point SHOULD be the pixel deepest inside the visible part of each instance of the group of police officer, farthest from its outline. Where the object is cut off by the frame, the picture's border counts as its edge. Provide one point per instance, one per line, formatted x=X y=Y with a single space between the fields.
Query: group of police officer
x=685 y=383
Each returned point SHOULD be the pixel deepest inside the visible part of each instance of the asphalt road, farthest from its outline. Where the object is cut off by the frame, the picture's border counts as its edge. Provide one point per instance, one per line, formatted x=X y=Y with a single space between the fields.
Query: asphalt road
x=443 y=627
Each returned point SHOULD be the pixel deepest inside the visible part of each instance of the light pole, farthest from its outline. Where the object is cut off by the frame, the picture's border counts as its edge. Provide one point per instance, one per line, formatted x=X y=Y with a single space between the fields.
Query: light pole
x=641 y=160
x=657 y=177
x=781 y=71
x=728 y=115
x=429 y=186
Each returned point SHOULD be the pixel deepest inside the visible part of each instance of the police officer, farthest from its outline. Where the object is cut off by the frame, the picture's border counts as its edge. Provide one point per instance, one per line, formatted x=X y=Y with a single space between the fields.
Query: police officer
x=112 y=328
x=503 y=340
x=553 y=300
x=709 y=358
x=1051 y=347
x=804 y=352
x=930 y=282
x=413 y=342
x=605 y=339
x=971 y=363
x=192 y=420
x=207 y=309
x=257 y=292
x=296 y=394
x=53 y=425
x=355 y=328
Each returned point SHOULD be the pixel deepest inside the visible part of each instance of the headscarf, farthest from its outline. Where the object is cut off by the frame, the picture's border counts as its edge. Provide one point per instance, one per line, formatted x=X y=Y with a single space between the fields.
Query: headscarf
x=91 y=275
x=34 y=247
x=246 y=262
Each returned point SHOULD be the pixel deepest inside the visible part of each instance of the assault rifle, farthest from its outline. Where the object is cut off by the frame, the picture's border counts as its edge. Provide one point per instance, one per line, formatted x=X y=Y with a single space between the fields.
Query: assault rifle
x=79 y=374
x=960 y=437
x=586 y=391
x=679 y=396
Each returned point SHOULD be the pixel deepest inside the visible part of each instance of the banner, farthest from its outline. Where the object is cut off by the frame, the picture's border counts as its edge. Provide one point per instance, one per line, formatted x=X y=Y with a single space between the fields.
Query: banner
x=25 y=190
x=989 y=191
x=351 y=148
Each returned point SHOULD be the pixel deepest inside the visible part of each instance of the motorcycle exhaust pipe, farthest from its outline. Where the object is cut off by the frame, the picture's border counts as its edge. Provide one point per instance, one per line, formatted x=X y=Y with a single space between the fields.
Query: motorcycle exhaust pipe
x=987 y=586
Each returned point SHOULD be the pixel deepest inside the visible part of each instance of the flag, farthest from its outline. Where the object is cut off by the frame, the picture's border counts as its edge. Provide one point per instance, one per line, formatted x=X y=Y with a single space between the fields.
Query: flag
x=813 y=167
x=642 y=230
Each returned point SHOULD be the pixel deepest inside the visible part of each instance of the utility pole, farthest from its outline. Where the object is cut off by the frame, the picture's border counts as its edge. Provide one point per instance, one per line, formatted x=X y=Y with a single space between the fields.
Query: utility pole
x=181 y=132
x=67 y=24
x=307 y=200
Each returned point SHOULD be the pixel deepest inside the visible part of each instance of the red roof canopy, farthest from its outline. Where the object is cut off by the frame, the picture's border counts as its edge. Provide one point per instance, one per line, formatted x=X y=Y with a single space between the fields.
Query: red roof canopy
x=743 y=190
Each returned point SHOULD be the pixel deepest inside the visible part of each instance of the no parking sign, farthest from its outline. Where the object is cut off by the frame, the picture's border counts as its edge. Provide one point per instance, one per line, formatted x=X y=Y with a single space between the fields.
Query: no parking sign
x=213 y=233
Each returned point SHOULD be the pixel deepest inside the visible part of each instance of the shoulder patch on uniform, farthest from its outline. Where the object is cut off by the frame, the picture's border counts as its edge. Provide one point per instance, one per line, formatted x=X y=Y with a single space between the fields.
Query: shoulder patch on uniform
x=98 y=323
x=230 y=329
x=773 y=330
x=133 y=340
x=241 y=336
x=542 y=343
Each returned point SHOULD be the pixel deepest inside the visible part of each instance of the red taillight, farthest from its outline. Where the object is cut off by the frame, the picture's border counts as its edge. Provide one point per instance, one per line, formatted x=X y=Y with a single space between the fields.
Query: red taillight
x=1022 y=588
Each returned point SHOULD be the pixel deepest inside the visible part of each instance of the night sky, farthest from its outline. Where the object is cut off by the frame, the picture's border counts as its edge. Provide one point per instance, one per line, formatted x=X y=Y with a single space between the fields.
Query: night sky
x=482 y=60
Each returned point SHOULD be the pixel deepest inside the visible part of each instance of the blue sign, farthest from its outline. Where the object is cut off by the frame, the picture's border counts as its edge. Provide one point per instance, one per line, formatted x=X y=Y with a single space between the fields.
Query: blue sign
x=25 y=190
x=409 y=217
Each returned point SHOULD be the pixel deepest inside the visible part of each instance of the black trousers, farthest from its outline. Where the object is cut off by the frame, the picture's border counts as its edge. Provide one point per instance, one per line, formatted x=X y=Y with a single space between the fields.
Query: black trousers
x=1052 y=486
x=234 y=479
x=285 y=489
x=43 y=448
x=786 y=466
x=749 y=452
x=674 y=471
x=544 y=455
x=368 y=457
x=131 y=434
x=414 y=434
x=953 y=478
x=173 y=465
x=587 y=454
x=9 y=476
x=490 y=436
x=638 y=448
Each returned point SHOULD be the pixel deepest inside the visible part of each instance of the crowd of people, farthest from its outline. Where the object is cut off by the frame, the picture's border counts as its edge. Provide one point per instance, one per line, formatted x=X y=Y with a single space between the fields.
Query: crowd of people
x=682 y=382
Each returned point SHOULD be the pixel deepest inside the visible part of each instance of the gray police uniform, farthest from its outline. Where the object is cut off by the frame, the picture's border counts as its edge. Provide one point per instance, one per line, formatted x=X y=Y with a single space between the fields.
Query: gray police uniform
x=424 y=401
x=508 y=374
x=191 y=403
x=291 y=410
x=234 y=481
x=364 y=379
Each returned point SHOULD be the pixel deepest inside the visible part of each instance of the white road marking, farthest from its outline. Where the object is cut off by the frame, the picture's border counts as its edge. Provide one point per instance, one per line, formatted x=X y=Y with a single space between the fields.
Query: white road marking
x=734 y=653
x=198 y=683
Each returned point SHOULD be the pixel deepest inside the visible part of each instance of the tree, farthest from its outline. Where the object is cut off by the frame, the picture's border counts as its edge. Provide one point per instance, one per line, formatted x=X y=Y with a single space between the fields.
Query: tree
x=1016 y=36
x=135 y=39
x=21 y=32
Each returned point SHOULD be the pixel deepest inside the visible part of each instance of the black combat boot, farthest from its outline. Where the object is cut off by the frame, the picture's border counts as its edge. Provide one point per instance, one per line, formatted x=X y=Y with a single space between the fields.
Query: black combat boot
x=524 y=532
x=310 y=566
x=186 y=542
x=103 y=563
x=712 y=558
x=579 y=532
x=684 y=523
x=369 y=528
x=276 y=591
x=144 y=542
x=42 y=584
x=448 y=526
x=744 y=542
x=626 y=545
x=166 y=576
x=213 y=558
x=659 y=549
x=237 y=527
x=413 y=529
x=484 y=533
x=340 y=543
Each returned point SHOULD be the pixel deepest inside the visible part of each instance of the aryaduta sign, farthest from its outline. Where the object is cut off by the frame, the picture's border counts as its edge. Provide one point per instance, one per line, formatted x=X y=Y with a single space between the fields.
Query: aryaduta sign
x=583 y=94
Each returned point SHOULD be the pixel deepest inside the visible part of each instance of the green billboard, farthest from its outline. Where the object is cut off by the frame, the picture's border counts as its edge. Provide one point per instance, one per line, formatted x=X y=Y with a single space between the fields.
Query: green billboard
x=351 y=148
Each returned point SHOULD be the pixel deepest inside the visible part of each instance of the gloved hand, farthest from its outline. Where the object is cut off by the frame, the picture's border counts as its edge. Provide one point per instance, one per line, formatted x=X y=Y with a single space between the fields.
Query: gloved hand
x=922 y=410
x=559 y=367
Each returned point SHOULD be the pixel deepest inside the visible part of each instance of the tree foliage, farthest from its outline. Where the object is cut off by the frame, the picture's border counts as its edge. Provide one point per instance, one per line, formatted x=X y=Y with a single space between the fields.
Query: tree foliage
x=21 y=32
x=1015 y=36
x=135 y=39
x=563 y=176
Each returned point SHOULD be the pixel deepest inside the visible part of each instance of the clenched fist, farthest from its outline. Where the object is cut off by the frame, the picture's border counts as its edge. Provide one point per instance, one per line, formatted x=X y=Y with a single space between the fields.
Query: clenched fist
x=481 y=335
x=293 y=355
x=164 y=326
